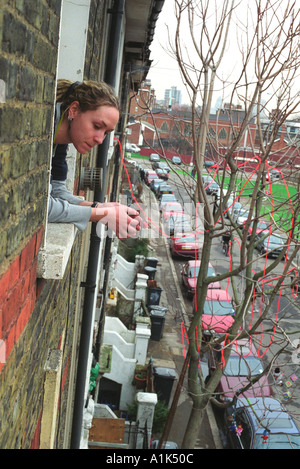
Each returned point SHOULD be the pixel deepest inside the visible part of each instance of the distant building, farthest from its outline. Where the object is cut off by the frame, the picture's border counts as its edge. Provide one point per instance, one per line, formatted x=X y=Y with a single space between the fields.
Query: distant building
x=173 y=96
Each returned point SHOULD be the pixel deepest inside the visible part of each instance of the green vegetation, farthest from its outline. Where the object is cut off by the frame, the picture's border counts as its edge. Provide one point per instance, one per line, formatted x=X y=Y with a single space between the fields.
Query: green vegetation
x=140 y=248
x=278 y=199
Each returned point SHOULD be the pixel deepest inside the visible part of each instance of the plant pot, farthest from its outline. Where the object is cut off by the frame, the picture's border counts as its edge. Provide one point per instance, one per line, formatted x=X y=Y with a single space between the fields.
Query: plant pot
x=140 y=383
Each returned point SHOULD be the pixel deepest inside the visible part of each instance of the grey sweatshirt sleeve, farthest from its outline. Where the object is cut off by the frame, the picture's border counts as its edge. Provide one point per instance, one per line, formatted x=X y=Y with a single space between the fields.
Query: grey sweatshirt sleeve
x=59 y=191
x=61 y=211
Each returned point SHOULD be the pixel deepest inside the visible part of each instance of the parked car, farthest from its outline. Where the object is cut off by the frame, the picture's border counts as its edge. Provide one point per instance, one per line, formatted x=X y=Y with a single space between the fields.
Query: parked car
x=162 y=173
x=163 y=189
x=177 y=223
x=149 y=176
x=155 y=183
x=222 y=193
x=209 y=164
x=262 y=225
x=166 y=445
x=170 y=208
x=154 y=157
x=189 y=275
x=132 y=147
x=233 y=209
x=264 y=423
x=166 y=198
x=269 y=243
x=210 y=185
x=185 y=245
x=218 y=312
x=273 y=175
x=163 y=165
x=242 y=366
x=176 y=160
x=242 y=218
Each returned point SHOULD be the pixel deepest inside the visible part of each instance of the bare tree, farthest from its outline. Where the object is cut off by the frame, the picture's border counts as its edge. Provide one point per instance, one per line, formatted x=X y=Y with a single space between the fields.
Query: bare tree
x=267 y=32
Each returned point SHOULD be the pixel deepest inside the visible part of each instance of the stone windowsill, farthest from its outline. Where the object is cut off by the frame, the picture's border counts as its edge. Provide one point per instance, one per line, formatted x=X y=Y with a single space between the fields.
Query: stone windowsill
x=53 y=257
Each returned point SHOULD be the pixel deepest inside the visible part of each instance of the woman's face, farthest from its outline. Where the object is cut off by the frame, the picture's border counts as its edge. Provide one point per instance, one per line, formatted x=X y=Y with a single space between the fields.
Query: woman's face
x=90 y=128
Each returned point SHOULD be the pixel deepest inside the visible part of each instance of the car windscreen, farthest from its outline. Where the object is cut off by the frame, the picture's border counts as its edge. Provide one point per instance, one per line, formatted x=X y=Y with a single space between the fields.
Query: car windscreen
x=275 y=240
x=186 y=239
x=179 y=221
x=194 y=271
x=175 y=207
x=261 y=225
x=218 y=308
x=277 y=441
x=243 y=366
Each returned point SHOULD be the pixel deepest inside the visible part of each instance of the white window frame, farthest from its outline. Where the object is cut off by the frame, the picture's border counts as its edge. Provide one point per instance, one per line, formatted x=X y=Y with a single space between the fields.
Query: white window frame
x=59 y=237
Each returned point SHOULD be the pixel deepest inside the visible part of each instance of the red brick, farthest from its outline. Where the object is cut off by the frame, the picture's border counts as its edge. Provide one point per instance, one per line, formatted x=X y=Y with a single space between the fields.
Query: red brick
x=33 y=297
x=10 y=341
x=35 y=443
x=26 y=284
x=9 y=279
x=39 y=238
x=23 y=317
x=14 y=270
x=12 y=306
x=27 y=255
x=4 y=285
x=1 y=321
x=33 y=270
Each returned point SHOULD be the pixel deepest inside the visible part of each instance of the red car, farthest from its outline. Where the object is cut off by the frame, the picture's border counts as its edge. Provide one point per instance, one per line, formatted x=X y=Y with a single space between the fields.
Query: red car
x=242 y=366
x=170 y=208
x=150 y=176
x=218 y=312
x=261 y=226
x=185 y=245
x=189 y=275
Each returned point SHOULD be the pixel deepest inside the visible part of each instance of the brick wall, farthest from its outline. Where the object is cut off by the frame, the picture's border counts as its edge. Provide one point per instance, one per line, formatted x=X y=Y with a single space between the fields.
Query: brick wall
x=35 y=315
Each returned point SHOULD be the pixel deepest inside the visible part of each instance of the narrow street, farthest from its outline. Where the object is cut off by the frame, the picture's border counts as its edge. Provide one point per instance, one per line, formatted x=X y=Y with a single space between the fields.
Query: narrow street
x=170 y=350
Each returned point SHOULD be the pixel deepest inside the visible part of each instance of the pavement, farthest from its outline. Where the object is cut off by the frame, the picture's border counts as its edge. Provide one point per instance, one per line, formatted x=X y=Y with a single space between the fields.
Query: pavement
x=169 y=351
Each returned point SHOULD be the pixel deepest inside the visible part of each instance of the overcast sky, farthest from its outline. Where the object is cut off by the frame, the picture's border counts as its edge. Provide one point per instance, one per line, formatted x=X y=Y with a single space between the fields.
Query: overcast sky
x=164 y=71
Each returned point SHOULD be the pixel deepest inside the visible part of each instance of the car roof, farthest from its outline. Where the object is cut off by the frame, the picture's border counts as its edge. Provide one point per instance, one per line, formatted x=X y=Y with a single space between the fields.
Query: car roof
x=173 y=204
x=180 y=236
x=270 y=413
x=196 y=263
x=218 y=294
x=158 y=181
x=167 y=199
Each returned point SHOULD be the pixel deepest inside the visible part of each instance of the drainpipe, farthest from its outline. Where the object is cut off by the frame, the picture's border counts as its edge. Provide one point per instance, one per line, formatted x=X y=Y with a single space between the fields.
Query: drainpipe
x=92 y=270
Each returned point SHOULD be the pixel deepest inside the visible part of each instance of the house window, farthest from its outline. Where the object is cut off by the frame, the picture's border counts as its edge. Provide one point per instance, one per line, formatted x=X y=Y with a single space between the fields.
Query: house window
x=212 y=132
x=222 y=134
x=53 y=256
x=165 y=128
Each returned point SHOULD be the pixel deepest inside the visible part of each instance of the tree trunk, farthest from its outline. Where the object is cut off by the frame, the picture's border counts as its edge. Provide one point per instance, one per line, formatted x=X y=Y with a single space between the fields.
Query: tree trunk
x=193 y=427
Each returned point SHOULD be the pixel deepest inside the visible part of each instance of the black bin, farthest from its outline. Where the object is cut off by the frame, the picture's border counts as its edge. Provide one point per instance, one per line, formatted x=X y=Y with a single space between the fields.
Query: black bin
x=150 y=271
x=163 y=382
x=151 y=262
x=153 y=295
x=158 y=317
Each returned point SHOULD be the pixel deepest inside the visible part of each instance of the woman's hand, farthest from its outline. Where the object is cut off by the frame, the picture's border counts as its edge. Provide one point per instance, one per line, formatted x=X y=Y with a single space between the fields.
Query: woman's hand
x=122 y=220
